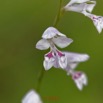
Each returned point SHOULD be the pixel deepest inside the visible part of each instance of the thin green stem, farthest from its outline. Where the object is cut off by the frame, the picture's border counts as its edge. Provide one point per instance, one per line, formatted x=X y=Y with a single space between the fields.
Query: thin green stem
x=59 y=14
x=57 y=19
x=40 y=78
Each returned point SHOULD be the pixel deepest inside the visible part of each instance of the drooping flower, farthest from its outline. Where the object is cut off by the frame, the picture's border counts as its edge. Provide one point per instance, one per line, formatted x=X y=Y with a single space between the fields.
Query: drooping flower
x=73 y=59
x=52 y=37
x=80 y=79
x=80 y=6
x=31 y=97
x=97 y=21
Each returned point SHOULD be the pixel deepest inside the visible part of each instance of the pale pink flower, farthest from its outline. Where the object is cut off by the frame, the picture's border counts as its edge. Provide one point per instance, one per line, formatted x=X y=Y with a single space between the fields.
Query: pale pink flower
x=80 y=79
x=80 y=6
x=97 y=21
x=73 y=59
x=52 y=37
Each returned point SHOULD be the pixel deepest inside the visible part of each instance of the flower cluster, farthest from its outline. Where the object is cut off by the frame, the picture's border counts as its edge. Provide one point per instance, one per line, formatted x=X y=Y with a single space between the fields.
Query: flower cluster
x=60 y=59
x=86 y=7
x=53 y=39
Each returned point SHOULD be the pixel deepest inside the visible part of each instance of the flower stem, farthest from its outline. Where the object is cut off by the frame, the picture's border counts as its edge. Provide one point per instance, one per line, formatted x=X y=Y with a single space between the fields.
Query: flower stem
x=40 y=78
x=57 y=19
x=59 y=14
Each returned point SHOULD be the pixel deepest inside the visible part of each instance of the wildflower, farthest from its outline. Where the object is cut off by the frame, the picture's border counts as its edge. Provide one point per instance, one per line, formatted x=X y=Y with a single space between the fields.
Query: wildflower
x=73 y=59
x=31 y=97
x=52 y=37
x=80 y=79
x=80 y=6
x=97 y=21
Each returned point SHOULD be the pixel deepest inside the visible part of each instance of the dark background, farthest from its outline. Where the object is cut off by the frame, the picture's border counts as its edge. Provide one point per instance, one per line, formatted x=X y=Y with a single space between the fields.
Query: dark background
x=22 y=23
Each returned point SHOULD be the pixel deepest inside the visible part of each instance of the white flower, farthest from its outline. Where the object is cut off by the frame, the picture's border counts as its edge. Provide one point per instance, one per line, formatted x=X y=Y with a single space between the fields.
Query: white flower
x=80 y=6
x=52 y=37
x=55 y=57
x=73 y=59
x=97 y=21
x=80 y=79
x=31 y=97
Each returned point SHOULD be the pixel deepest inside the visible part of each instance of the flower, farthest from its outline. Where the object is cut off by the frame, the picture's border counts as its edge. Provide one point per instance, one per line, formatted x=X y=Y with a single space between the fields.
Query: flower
x=80 y=6
x=31 y=97
x=97 y=21
x=80 y=79
x=73 y=59
x=52 y=37
x=86 y=7
x=64 y=60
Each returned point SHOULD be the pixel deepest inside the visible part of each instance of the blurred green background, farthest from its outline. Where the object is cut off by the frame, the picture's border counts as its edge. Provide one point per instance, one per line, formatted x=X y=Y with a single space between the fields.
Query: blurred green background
x=22 y=23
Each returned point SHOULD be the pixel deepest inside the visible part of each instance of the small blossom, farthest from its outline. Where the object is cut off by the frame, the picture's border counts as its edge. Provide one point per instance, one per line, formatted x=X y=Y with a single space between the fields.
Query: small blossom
x=73 y=59
x=31 y=97
x=52 y=37
x=80 y=6
x=80 y=79
x=55 y=57
x=97 y=21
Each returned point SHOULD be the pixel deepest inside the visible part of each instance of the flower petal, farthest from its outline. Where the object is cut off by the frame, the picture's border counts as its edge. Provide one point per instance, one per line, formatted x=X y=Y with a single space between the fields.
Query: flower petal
x=77 y=1
x=97 y=21
x=98 y=27
x=48 y=63
x=31 y=97
x=79 y=84
x=73 y=65
x=62 y=42
x=56 y=64
x=51 y=32
x=91 y=6
x=84 y=79
x=75 y=7
x=63 y=62
x=76 y=57
x=80 y=6
x=80 y=79
x=42 y=44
